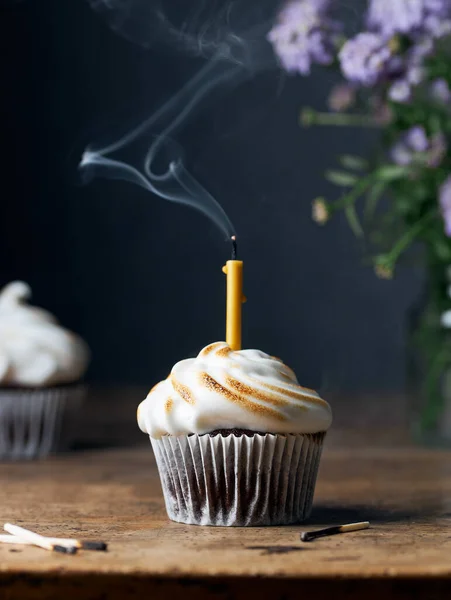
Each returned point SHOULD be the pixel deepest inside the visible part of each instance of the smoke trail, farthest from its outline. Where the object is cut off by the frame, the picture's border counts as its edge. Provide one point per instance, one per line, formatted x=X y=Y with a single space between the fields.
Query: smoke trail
x=233 y=56
x=175 y=183
x=198 y=27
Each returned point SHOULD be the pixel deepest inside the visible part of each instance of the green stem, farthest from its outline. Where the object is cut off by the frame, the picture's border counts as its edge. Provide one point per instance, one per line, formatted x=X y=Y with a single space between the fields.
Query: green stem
x=410 y=236
x=353 y=195
x=310 y=116
x=374 y=195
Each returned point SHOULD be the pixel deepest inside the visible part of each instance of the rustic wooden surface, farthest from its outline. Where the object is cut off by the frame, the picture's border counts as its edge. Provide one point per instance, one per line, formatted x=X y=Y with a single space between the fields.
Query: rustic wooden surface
x=114 y=495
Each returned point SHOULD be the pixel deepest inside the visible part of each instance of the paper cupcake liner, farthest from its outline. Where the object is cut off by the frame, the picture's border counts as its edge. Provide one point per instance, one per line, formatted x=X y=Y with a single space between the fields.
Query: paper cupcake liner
x=238 y=480
x=31 y=420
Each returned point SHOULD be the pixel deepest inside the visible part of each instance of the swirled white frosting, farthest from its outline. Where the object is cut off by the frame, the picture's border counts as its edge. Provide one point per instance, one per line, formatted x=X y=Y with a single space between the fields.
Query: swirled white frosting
x=222 y=389
x=35 y=351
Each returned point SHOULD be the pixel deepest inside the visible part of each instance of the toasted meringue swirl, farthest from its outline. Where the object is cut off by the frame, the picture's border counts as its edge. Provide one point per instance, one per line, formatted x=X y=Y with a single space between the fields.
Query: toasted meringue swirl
x=222 y=389
x=35 y=350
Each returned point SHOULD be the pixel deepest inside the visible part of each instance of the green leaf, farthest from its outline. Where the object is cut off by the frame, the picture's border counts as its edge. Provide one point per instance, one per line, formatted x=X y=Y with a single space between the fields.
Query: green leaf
x=389 y=173
x=341 y=178
x=356 y=163
x=353 y=220
x=373 y=197
x=442 y=250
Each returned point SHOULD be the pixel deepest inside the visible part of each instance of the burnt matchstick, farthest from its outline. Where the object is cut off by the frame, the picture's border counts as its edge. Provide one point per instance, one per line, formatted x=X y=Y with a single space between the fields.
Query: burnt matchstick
x=39 y=540
x=80 y=544
x=234 y=248
x=87 y=545
x=308 y=536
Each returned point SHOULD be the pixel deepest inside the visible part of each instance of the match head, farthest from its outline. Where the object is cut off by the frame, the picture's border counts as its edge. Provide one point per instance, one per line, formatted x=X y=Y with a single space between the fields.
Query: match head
x=100 y=546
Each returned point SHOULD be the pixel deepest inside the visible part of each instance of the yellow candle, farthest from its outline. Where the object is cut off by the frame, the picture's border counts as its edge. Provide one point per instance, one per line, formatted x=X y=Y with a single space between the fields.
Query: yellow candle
x=234 y=271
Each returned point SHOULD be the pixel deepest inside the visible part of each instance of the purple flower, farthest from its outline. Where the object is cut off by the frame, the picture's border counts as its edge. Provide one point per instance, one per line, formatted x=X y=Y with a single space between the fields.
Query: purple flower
x=371 y=59
x=392 y=16
x=439 y=91
x=415 y=147
x=416 y=139
x=409 y=70
x=408 y=16
x=413 y=141
x=444 y=197
x=438 y=27
x=401 y=89
x=366 y=59
x=304 y=35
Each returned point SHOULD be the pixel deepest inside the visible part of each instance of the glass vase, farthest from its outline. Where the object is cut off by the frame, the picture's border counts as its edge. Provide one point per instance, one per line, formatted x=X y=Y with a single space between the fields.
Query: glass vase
x=429 y=366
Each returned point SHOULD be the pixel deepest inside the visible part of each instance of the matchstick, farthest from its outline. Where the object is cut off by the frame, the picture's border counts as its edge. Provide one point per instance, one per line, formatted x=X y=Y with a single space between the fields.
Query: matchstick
x=80 y=544
x=308 y=536
x=38 y=540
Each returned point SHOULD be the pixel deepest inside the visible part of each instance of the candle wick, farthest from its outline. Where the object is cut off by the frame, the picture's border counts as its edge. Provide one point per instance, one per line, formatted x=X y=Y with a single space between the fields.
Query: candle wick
x=234 y=250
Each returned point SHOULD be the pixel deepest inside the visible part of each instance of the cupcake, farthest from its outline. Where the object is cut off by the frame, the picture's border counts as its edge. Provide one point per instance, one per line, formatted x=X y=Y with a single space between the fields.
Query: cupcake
x=237 y=440
x=41 y=365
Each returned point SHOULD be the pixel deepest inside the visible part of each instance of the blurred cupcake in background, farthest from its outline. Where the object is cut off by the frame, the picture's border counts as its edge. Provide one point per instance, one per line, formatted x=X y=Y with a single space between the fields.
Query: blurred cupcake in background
x=41 y=367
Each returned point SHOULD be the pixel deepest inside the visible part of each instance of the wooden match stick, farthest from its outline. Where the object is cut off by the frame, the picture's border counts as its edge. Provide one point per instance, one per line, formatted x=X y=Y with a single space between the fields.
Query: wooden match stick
x=308 y=536
x=38 y=540
x=81 y=544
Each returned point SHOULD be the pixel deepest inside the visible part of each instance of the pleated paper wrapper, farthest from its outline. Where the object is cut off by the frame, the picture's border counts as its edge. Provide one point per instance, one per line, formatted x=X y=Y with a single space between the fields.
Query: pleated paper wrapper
x=240 y=480
x=31 y=420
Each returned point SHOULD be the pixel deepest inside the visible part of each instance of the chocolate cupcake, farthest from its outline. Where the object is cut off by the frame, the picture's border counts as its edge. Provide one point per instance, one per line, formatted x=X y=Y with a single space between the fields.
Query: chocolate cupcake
x=237 y=440
x=41 y=365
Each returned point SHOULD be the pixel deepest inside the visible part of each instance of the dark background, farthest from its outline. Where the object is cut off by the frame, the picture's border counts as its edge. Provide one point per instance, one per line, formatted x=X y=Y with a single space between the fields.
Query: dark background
x=140 y=278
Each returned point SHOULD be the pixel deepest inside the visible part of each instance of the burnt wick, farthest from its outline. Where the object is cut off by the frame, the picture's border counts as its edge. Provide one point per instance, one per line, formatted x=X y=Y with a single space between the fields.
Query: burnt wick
x=234 y=248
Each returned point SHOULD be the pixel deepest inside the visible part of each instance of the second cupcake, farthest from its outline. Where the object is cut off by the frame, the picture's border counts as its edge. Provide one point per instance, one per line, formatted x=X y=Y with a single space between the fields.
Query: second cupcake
x=41 y=365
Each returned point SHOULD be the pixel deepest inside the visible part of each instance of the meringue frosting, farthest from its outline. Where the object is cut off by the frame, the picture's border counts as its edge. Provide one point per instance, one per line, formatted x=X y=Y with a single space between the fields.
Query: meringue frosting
x=35 y=351
x=225 y=389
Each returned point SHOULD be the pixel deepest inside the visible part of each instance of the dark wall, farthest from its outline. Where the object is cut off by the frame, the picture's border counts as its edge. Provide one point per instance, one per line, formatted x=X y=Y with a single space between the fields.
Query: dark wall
x=141 y=278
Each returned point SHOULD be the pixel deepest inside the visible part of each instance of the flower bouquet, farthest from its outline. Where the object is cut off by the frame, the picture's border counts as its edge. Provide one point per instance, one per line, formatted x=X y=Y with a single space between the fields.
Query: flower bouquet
x=396 y=76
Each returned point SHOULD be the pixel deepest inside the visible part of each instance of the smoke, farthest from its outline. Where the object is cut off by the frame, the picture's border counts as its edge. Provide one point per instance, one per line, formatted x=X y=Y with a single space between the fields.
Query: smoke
x=232 y=54
x=233 y=28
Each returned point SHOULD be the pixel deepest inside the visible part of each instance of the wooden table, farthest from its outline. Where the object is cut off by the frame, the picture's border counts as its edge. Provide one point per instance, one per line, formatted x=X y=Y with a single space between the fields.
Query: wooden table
x=114 y=495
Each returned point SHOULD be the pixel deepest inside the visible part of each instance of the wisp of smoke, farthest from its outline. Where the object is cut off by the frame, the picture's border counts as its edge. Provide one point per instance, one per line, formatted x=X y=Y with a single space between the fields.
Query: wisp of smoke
x=199 y=27
x=230 y=56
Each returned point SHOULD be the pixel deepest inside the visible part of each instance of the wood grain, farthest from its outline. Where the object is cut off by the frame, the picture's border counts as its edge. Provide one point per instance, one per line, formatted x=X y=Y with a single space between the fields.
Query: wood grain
x=115 y=496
